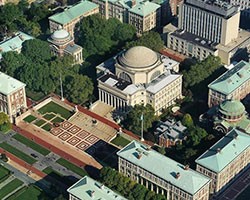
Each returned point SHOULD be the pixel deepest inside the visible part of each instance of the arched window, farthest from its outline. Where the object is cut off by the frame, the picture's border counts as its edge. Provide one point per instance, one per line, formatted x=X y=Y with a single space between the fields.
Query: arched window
x=125 y=77
x=155 y=75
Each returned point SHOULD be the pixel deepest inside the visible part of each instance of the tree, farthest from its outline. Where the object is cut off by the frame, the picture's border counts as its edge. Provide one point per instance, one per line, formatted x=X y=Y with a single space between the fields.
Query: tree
x=187 y=120
x=3 y=157
x=150 y=39
x=78 y=88
x=36 y=50
x=5 y=124
x=196 y=134
x=161 y=150
x=133 y=120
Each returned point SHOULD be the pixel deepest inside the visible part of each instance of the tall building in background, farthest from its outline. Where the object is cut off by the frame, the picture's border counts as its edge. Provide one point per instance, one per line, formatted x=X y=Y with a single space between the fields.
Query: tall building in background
x=12 y=96
x=216 y=22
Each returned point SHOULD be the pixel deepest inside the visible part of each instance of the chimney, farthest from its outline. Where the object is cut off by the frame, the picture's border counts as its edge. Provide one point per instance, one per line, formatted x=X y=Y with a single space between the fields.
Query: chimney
x=102 y=186
x=148 y=148
x=218 y=150
x=186 y=167
x=133 y=3
x=92 y=193
x=177 y=175
x=235 y=136
x=139 y=156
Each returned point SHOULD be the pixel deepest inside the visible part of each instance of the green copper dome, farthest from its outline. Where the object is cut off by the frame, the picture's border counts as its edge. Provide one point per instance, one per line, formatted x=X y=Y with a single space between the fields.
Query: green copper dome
x=232 y=108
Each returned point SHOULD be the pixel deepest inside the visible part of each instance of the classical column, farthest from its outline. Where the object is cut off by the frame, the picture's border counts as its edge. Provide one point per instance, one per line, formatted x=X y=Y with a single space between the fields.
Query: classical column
x=157 y=189
x=152 y=187
x=146 y=183
x=100 y=97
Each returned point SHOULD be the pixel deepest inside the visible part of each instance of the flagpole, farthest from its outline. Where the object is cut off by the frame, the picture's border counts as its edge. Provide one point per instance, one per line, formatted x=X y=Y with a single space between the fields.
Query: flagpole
x=142 y=139
x=62 y=99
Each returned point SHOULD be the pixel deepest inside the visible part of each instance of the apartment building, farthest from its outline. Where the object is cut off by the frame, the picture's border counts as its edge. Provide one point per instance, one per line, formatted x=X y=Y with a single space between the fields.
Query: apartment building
x=161 y=174
x=233 y=84
x=71 y=16
x=142 y=14
x=139 y=76
x=225 y=160
x=90 y=189
x=12 y=96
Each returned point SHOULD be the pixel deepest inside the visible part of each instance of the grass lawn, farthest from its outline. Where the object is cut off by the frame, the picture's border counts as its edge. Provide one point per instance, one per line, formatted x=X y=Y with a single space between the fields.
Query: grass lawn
x=120 y=141
x=40 y=122
x=49 y=116
x=31 y=144
x=10 y=187
x=29 y=118
x=34 y=95
x=245 y=194
x=57 y=119
x=17 y=153
x=28 y=193
x=4 y=174
x=72 y=167
x=55 y=108
x=46 y=127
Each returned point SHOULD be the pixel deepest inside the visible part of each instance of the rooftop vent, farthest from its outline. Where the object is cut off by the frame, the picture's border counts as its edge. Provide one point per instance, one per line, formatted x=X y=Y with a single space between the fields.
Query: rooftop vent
x=235 y=136
x=218 y=150
x=92 y=193
x=139 y=156
x=186 y=167
x=102 y=186
x=177 y=175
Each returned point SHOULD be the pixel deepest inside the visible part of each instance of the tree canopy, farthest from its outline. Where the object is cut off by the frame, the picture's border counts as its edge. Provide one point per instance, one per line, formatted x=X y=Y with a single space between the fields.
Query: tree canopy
x=127 y=188
x=5 y=124
x=150 y=39
x=133 y=120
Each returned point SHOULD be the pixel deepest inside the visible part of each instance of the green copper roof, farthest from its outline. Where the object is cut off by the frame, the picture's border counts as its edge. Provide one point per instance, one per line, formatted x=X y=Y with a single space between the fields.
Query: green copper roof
x=15 y=43
x=8 y=84
x=232 y=79
x=85 y=186
x=164 y=167
x=74 y=12
x=230 y=148
x=144 y=8
x=232 y=108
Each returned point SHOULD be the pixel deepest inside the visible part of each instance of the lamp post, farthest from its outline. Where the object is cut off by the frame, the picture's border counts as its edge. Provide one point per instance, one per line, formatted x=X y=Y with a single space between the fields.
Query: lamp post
x=142 y=139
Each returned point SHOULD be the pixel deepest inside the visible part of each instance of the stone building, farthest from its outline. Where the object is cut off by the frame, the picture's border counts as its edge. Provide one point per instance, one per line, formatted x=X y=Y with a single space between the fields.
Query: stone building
x=233 y=84
x=161 y=174
x=139 y=76
x=12 y=96
x=143 y=14
x=62 y=43
x=225 y=160
x=90 y=189
x=71 y=16
x=230 y=114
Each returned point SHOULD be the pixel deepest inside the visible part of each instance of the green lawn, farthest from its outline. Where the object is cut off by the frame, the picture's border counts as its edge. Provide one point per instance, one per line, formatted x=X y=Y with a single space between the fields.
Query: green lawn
x=29 y=118
x=71 y=167
x=55 y=108
x=57 y=119
x=120 y=141
x=18 y=153
x=28 y=193
x=46 y=127
x=245 y=194
x=49 y=116
x=31 y=144
x=10 y=187
x=4 y=173
x=34 y=95
x=40 y=122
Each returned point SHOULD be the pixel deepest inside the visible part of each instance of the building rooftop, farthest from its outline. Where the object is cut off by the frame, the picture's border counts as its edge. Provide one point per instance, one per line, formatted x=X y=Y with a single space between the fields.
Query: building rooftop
x=73 y=12
x=232 y=79
x=72 y=48
x=163 y=167
x=232 y=108
x=8 y=84
x=89 y=189
x=14 y=43
x=191 y=38
x=218 y=7
x=144 y=8
x=225 y=151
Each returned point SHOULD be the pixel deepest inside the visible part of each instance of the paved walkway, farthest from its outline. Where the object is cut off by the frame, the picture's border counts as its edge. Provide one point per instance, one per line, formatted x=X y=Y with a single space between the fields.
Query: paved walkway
x=13 y=191
x=9 y=179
